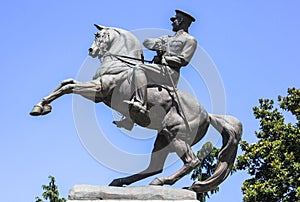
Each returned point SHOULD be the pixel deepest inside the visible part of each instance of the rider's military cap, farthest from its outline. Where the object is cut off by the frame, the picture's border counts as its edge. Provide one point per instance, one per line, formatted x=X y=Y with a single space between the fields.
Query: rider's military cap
x=184 y=14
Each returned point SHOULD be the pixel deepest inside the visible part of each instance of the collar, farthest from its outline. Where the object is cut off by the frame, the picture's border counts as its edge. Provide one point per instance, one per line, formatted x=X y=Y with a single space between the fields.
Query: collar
x=180 y=32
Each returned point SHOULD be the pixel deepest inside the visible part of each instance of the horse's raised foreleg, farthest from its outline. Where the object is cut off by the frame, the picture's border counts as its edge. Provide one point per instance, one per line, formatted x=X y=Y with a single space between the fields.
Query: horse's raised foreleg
x=43 y=107
x=90 y=90
x=63 y=83
x=190 y=160
x=158 y=158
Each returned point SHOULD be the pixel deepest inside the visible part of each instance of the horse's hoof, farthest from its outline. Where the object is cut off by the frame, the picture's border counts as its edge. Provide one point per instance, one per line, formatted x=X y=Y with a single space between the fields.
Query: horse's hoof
x=46 y=109
x=116 y=183
x=194 y=187
x=157 y=182
x=36 y=111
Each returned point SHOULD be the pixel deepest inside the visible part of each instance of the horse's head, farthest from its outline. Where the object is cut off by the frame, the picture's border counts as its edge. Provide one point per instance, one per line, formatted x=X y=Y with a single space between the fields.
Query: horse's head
x=114 y=41
x=101 y=43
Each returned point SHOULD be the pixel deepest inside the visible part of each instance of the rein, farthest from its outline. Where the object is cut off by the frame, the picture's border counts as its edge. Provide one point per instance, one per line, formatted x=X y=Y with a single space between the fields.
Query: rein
x=119 y=57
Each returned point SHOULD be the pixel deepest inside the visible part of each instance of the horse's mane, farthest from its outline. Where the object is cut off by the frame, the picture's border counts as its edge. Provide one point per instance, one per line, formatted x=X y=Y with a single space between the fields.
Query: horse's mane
x=129 y=40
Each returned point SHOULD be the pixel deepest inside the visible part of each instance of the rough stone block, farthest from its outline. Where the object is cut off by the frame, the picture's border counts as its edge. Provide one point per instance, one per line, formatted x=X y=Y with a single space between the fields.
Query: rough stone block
x=89 y=193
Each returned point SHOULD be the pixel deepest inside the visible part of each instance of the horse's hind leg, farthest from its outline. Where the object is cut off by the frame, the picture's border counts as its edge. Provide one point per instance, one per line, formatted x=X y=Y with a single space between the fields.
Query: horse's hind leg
x=190 y=160
x=158 y=158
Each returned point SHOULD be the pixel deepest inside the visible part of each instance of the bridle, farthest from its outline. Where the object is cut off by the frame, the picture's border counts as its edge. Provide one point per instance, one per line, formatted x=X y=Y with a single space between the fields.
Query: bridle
x=102 y=39
x=105 y=37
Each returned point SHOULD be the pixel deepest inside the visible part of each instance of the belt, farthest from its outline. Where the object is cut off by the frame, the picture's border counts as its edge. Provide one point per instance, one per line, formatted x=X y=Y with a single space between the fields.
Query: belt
x=174 y=65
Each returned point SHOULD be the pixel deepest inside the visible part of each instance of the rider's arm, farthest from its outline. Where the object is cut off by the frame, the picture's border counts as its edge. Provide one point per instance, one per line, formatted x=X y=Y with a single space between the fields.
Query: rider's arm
x=185 y=56
x=156 y=44
x=153 y=44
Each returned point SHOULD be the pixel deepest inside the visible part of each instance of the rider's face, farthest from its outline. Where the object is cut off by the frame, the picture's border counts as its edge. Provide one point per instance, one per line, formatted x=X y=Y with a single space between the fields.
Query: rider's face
x=176 y=23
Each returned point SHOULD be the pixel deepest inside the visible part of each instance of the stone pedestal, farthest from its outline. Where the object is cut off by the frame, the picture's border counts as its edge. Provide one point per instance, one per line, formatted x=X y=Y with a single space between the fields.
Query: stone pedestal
x=88 y=193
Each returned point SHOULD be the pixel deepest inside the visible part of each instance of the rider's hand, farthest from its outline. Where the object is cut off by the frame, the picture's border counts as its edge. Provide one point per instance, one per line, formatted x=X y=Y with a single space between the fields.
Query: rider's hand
x=163 y=61
x=157 y=59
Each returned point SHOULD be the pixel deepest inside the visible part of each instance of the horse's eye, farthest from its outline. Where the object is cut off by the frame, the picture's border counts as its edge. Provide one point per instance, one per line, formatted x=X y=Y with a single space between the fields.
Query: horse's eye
x=97 y=35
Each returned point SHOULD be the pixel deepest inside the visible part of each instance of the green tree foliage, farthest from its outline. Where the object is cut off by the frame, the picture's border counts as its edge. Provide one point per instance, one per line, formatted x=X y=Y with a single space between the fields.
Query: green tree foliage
x=208 y=156
x=274 y=161
x=50 y=192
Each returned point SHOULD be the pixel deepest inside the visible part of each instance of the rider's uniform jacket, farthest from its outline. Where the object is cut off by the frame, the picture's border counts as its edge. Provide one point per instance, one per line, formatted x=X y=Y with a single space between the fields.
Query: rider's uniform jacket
x=177 y=50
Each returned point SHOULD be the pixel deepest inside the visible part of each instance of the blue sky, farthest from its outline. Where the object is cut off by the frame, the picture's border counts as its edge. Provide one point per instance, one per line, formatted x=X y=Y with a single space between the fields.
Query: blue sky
x=253 y=44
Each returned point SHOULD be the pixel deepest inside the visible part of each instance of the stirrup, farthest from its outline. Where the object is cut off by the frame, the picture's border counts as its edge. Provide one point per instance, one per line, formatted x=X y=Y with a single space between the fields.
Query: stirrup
x=137 y=106
x=138 y=113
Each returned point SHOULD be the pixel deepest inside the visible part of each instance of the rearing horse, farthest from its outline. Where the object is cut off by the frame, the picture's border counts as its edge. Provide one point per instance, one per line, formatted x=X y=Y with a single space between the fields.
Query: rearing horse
x=119 y=51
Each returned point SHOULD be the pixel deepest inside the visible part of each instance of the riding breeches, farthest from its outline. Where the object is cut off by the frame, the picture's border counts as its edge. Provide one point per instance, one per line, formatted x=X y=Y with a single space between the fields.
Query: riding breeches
x=145 y=74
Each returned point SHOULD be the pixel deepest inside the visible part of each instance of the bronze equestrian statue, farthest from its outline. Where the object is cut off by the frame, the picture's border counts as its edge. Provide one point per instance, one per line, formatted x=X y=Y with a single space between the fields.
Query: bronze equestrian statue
x=180 y=122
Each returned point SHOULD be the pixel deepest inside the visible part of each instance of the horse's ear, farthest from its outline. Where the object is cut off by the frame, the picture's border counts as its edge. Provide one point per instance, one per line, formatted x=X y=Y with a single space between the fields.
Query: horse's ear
x=100 y=27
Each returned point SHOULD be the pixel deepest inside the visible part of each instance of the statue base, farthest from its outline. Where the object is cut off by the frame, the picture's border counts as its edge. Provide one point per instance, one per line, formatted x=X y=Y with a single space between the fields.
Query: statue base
x=89 y=193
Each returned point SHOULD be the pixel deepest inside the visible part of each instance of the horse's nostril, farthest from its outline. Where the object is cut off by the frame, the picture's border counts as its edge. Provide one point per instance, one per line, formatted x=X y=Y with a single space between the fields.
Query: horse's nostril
x=90 y=49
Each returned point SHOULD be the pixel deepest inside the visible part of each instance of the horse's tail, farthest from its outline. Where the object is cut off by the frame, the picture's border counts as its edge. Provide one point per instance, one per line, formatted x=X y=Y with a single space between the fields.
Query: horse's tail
x=231 y=131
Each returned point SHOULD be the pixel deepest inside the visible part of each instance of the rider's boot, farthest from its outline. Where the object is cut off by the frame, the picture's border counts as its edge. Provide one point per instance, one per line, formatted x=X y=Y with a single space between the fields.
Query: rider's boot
x=138 y=112
x=138 y=104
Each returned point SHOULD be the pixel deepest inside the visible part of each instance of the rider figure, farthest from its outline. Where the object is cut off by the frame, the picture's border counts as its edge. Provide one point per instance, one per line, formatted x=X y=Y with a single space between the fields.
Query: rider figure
x=173 y=52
